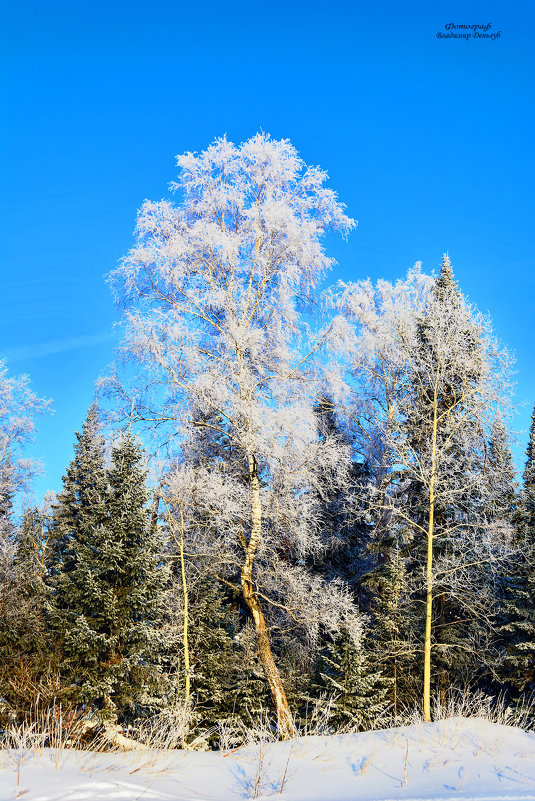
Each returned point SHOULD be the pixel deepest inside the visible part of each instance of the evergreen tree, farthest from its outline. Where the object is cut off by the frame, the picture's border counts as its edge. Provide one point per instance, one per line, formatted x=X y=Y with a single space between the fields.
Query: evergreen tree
x=79 y=601
x=30 y=555
x=357 y=691
x=519 y=607
x=26 y=669
x=226 y=677
x=342 y=502
x=134 y=577
x=502 y=501
x=81 y=507
x=446 y=426
x=107 y=580
x=433 y=376
x=529 y=484
x=392 y=646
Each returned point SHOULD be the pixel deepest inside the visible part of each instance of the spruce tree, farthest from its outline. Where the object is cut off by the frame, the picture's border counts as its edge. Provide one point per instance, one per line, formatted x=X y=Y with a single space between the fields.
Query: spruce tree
x=81 y=507
x=519 y=594
x=137 y=578
x=108 y=582
x=26 y=667
x=77 y=605
x=529 y=484
x=357 y=691
x=391 y=644
x=227 y=681
x=502 y=502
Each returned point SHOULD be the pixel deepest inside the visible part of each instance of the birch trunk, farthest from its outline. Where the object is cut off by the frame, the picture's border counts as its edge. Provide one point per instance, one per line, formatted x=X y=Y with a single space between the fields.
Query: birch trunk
x=429 y=571
x=285 y=721
x=179 y=541
x=186 y=609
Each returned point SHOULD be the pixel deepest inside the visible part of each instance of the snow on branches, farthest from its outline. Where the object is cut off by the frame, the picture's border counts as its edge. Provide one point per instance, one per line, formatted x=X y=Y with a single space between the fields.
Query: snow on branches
x=217 y=287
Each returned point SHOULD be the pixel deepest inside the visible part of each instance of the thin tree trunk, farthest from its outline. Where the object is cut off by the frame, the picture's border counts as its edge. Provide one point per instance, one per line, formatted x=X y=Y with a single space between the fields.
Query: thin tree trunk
x=395 y=685
x=285 y=721
x=429 y=573
x=186 y=610
x=185 y=641
x=154 y=511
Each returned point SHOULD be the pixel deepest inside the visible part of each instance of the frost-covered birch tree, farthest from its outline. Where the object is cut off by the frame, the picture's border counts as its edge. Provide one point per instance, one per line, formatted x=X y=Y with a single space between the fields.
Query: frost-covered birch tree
x=383 y=318
x=19 y=407
x=217 y=293
x=431 y=379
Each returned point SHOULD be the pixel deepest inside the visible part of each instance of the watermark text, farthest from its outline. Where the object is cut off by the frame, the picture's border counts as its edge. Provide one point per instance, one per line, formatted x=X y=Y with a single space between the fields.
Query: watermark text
x=452 y=30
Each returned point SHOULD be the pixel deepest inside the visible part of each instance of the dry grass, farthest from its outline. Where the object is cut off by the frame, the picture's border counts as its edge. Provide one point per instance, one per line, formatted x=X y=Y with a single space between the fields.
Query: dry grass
x=53 y=734
x=468 y=704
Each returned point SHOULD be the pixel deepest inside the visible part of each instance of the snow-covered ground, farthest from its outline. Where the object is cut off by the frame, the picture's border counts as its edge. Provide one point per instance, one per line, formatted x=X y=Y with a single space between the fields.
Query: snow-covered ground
x=453 y=759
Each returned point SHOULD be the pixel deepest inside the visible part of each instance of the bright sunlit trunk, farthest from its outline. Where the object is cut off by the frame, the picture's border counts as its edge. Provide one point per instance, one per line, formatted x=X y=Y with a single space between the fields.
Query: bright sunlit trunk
x=285 y=721
x=429 y=571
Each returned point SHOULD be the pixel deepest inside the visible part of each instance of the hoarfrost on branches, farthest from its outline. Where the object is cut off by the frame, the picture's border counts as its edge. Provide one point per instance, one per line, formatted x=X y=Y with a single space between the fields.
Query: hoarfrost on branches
x=216 y=289
x=430 y=378
x=18 y=408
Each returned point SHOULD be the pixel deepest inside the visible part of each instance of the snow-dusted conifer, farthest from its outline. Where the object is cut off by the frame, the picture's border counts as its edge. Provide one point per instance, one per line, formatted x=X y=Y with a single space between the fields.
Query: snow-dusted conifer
x=81 y=507
x=26 y=667
x=519 y=590
x=342 y=507
x=79 y=599
x=131 y=566
x=458 y=381
x=503 y=502
x=107 y=579
x=357 y=691
x=393 y=614
x=227 y=684
x=529 y=483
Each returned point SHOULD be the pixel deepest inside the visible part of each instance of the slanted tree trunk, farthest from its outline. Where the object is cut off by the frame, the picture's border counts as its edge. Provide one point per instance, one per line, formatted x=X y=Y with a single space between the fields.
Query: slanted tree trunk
x=285 y=721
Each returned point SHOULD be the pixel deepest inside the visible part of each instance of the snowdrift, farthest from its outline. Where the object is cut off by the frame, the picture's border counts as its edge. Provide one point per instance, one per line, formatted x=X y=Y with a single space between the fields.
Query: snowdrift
x=455 y=759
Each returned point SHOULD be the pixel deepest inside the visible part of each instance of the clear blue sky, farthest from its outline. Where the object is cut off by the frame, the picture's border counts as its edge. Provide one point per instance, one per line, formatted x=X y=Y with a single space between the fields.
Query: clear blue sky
x=429 y=143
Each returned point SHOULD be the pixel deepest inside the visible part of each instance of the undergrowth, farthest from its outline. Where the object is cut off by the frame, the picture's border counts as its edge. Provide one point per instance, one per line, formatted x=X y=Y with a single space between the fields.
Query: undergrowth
x=58 y=730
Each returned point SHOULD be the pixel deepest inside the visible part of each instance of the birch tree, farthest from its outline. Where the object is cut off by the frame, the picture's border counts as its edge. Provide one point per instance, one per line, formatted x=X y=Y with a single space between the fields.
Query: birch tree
x=216 y=291
x=19 y=407
x=383 y=317
x=437 y=377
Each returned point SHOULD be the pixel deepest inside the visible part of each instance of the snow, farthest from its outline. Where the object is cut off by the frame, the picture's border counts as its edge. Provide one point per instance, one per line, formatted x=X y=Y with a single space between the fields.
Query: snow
x=457 y=759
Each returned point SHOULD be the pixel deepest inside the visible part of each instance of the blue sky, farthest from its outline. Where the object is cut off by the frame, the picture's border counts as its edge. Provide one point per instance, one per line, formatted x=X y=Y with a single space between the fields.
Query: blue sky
x=428 y=141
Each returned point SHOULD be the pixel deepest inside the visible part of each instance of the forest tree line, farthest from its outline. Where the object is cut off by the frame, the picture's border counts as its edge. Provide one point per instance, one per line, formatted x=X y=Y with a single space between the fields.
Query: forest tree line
x=324 y=514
